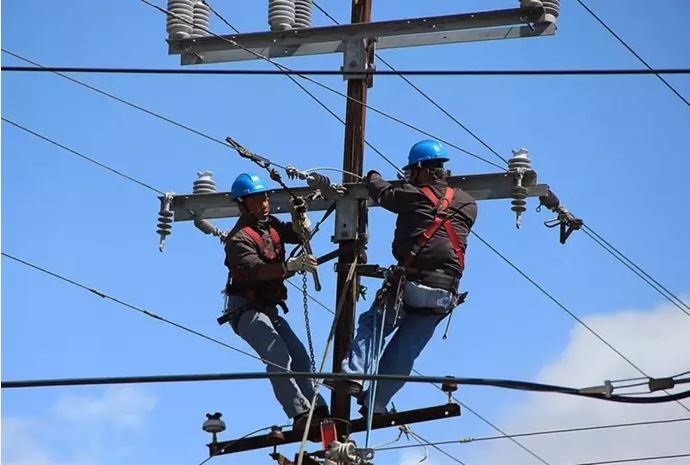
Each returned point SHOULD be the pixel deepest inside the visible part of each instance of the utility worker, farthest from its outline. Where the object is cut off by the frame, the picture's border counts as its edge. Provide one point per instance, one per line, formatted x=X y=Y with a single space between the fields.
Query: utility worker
x=255 y=256
x=431 y=232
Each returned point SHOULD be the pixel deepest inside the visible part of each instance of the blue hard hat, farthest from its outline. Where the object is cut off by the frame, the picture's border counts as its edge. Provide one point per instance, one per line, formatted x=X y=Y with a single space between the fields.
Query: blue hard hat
x=247 y=184
x=426 y=150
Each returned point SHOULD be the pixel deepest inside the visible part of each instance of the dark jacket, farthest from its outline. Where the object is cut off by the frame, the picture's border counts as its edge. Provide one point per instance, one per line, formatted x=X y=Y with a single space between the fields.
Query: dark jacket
x=415 y=213
x=244 y=259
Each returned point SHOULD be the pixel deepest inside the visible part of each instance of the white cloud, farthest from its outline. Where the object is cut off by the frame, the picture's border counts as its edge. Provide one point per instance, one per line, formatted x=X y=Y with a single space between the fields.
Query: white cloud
x=124 y=406
x=77 y=430
x=658 y=341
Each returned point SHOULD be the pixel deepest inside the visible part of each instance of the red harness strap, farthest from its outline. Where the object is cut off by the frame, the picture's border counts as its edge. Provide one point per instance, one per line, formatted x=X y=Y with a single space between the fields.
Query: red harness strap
x=270 y=254
x=439 y=220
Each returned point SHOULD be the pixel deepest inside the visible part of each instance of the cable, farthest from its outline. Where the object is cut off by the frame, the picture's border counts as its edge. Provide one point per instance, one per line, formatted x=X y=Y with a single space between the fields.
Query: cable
x=605 y=26
x=421 y=439
x=138 y=309
x=465 y=381
x=121 y=100
x=423 y=94
x=546 y=432
x=81 y=155
x=636 y=459
x=632 y=266
x=565 y=309
x=333 y=72
x=219 y=16
x=328 y=88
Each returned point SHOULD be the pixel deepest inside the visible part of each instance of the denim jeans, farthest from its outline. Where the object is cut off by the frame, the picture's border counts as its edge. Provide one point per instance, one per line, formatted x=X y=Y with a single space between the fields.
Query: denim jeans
x=274 y=341
x=414 y=330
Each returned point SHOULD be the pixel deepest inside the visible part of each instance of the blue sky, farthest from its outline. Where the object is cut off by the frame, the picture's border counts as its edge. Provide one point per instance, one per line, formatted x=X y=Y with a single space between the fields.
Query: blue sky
x=613 y=148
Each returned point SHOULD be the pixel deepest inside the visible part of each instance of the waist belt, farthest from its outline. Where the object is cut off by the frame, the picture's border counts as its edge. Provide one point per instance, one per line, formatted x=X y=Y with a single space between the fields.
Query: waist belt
x=233 y=316
x=437 y=279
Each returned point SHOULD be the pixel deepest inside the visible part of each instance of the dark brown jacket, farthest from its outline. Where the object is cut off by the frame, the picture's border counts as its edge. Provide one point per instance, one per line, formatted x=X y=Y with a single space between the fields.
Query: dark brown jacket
x=415 y=213
x=243 y=257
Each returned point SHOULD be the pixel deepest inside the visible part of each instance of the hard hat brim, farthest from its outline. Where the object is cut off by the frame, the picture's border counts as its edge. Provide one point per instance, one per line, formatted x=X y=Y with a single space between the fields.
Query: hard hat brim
x=441 y=159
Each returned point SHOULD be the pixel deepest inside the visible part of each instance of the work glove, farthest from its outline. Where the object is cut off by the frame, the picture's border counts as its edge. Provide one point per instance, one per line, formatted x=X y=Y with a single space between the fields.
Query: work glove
x=303 y=264
x=372 y=174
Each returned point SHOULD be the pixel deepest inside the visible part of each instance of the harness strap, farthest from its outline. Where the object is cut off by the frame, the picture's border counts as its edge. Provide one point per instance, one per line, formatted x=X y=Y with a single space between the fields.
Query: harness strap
x=270 y=254
x=440 y=219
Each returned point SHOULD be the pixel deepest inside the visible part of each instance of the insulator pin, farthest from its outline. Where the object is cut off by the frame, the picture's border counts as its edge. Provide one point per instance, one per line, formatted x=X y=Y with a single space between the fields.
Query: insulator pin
x=303 y=14
x=204 y=183
x=165 y=219
x=180 y=19
x=281 y=14
x=202 y=13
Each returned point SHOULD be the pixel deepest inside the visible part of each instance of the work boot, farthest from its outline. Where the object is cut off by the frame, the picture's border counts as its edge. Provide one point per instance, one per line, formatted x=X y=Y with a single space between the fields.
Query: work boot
x=299 y=422
x=353 y=388
x=364 y=411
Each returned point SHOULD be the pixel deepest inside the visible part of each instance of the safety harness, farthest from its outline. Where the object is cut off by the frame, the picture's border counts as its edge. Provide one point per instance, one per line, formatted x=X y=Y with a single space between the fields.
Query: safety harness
x=267 y=293
x=440 y=219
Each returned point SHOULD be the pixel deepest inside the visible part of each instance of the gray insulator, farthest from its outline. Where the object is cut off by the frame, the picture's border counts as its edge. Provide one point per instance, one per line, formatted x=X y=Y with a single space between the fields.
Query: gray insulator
x=520 y=159
x=204 y=183
x=213 y=424
x=303 y=14
x=201 y=19
x=281 y=14
x=179 y=23
x=165 y=219
x=551 y=10
x=518 y=204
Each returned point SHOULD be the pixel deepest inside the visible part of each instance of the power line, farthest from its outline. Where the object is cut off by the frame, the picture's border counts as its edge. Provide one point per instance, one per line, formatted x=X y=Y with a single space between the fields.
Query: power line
x=219 y=16
x=425 y=442
x=464 y=381
x=121 y=100
x=136 y=308
x=635 y=268
x=636 y=459
x=545 y=432
x=565 y=309
x=333 y=72
x=424 y=94
x=81 y=155
x=630 y=49
x=328 y=88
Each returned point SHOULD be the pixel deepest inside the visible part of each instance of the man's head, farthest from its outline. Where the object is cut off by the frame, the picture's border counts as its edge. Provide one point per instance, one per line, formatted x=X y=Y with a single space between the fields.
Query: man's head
x=250 y=192
x=425 y=162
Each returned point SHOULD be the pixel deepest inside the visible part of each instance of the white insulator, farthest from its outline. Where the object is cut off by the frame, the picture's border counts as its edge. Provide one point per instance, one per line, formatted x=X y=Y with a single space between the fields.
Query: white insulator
x=202 y=12
x=303 y=14
x=520 y=159
x=179 y=23
x=204 y=184
x=281 y=14
x=551 y=10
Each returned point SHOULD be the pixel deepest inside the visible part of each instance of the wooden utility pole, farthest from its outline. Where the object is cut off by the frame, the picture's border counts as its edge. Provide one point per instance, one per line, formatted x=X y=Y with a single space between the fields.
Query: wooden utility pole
x=353 y=160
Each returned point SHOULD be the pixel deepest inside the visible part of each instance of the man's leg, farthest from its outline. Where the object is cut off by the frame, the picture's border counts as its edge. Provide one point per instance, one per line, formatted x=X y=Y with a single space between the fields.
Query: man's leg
x=300 y=359
x=257 y=329
x=413 y=334
x=367 y=339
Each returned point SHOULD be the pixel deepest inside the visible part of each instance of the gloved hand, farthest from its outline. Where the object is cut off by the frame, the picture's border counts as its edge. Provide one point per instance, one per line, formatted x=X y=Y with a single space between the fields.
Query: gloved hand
x=371 y=174
x=303 y=263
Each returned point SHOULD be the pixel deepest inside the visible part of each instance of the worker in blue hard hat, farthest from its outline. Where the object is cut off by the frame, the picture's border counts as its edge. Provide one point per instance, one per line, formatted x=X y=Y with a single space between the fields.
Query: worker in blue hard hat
x=433 y=223
x=255 y=257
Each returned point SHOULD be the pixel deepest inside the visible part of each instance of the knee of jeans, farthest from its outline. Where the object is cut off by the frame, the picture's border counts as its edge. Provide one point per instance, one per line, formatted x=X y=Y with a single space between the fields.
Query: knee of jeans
x=277 y=356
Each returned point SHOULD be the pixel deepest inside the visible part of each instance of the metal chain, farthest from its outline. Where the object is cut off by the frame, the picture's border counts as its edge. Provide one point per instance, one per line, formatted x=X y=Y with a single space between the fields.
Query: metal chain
x=305 y=305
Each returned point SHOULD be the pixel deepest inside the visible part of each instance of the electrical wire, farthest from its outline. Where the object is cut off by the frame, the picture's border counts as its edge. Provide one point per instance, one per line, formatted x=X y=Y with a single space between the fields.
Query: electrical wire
x=81 y=155
x=121 y=100
x=430 y=444
x=219 y=16
x=423 y=94
x=565 y=309
x=328 y=88
x=138 y=309
x=333 y=72
x=630 y=49
x=635 y=268
x=636 y=459
x=545 y=432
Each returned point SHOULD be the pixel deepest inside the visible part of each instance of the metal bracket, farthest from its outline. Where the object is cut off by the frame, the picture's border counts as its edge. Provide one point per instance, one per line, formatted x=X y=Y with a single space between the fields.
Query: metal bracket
x=346 y=219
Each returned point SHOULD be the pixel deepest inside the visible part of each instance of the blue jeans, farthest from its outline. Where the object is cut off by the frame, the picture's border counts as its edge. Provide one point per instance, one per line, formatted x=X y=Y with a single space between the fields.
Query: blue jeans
x=414 y=332
x=274 y=341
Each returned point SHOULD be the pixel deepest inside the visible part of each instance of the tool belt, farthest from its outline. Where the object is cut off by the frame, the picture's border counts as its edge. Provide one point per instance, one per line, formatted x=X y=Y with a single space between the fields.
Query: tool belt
x=263 y=302
x=437 y=279
x=430 y=311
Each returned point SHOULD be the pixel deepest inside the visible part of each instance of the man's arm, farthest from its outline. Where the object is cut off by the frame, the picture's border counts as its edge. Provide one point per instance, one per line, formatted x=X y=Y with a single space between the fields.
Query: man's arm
x=394 y=199
x=284 y=228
